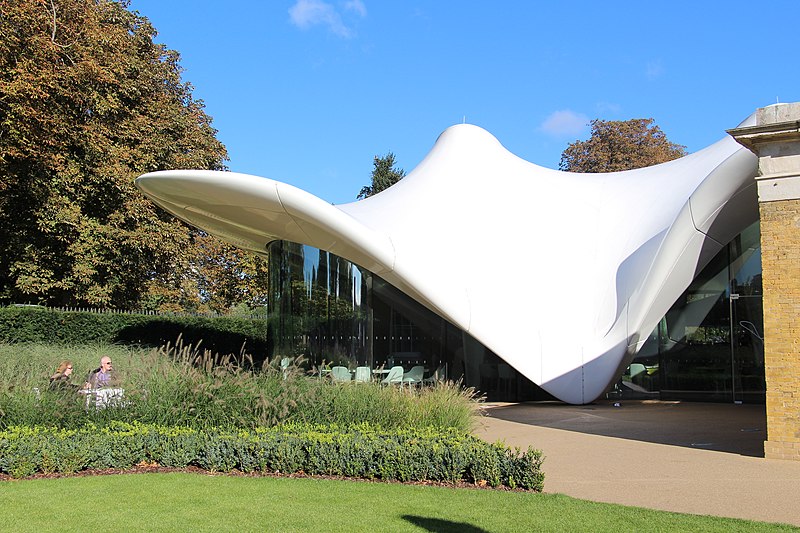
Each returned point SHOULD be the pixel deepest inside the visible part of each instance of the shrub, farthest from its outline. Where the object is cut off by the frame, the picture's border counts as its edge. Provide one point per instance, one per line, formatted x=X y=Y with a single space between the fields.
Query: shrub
x=225 y=335
x=422 y=454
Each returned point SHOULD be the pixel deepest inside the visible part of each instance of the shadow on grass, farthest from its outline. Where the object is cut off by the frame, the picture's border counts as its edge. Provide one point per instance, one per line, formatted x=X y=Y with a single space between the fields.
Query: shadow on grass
x=442 y=526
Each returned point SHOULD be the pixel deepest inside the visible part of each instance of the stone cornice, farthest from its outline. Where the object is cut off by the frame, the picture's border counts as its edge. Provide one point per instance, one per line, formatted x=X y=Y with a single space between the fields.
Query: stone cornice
x=754 y=136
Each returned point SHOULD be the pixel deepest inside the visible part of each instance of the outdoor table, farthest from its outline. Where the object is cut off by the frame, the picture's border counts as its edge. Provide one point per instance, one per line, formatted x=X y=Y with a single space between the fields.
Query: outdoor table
x=103 y=397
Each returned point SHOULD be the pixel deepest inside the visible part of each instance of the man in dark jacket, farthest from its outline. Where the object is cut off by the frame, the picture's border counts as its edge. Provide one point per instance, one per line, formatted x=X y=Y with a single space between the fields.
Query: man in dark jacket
x=100 y=377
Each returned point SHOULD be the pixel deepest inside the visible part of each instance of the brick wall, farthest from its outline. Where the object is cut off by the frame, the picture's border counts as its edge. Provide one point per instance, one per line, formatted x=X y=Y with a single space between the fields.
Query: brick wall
x=780 y=260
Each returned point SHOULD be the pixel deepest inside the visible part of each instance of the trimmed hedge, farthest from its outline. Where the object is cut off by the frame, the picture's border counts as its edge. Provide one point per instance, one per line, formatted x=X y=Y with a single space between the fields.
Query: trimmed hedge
x=357 y=452
x=223 y=335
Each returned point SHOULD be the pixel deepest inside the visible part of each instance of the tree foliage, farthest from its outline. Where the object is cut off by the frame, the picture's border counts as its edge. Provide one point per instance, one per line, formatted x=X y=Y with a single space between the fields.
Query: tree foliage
x=88 y=101
x=384 y=175
x=620 y=145
x=226 y=275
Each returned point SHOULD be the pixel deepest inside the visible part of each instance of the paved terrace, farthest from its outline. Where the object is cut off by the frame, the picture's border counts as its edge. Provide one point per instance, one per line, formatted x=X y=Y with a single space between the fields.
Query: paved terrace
x=686 y=457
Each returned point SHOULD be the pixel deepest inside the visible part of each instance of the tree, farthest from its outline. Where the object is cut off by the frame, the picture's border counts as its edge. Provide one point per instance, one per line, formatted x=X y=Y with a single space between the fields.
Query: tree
x=214 y=277
x=227 y=275
x=620 y=145
x=88 y=101
x=384 y=175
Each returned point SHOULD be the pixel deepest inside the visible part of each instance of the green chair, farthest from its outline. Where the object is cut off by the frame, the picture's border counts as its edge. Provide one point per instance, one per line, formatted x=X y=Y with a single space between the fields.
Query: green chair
x=285 y=362
x=395 y=376
x=414 y=376
x=340 y=374
x=363 y=374
x=636 y=369
x=438 y=375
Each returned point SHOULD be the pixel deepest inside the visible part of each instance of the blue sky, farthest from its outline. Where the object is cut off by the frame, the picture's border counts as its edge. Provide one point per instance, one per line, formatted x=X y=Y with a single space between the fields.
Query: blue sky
x=308 y=91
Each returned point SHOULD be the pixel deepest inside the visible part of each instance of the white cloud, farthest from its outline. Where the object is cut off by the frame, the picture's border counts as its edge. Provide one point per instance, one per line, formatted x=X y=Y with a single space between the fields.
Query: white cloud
x=357 y=6
x=307 y=13
x=565 y=123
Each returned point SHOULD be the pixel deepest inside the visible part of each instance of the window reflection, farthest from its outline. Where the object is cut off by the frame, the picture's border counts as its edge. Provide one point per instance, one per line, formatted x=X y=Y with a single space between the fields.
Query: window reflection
x=331 y=311
x=709 y=345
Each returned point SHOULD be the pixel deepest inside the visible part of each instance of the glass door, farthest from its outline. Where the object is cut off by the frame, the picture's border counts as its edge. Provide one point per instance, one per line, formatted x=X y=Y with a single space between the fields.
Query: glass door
x=747 y=318
x=747 y=349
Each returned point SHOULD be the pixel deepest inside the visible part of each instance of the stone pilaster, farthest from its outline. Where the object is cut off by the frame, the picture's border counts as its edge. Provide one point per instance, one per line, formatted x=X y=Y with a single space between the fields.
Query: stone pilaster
x=775 y=139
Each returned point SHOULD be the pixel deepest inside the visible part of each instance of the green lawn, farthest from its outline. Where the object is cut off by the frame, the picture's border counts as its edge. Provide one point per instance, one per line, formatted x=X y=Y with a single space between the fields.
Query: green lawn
x=194 y=502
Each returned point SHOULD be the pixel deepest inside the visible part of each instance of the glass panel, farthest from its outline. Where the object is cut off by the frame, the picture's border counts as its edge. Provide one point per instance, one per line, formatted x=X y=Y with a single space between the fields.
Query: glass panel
x=327 y=309
x=318 y=305
x=709 y=345
x=747 y=318
x=748 y=349
x=696 y=351
x=642 y=379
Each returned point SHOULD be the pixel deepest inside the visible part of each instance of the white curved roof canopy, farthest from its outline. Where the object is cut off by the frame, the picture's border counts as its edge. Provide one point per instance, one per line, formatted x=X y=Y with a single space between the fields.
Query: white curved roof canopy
x=562 y=275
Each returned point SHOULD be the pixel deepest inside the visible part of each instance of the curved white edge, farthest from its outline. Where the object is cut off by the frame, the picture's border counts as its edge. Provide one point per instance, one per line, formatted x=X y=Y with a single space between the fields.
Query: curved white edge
x=721 y=207
x=562 y=275
x=251 y=211
x=725 y=203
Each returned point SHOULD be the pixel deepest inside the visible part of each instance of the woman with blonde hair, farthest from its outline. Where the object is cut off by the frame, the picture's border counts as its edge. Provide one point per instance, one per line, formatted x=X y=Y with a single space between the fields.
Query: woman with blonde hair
x=60 y=380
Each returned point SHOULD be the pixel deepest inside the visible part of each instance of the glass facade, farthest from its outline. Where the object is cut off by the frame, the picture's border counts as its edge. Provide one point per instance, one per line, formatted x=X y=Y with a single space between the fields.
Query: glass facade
x=334 y=312
x=708 y=346
x=318 y=305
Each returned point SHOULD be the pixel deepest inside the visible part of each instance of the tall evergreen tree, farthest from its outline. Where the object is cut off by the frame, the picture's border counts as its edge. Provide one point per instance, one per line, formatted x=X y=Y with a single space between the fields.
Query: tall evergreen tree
x=384 y=175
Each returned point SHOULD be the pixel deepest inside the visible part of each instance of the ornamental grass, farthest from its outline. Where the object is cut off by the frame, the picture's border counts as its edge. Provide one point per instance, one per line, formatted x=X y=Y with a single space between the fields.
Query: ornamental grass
x=185 y=385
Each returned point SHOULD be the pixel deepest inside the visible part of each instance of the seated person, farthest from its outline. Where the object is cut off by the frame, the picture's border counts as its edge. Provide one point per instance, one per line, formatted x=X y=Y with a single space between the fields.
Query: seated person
x=100 y=377
x=61 y=379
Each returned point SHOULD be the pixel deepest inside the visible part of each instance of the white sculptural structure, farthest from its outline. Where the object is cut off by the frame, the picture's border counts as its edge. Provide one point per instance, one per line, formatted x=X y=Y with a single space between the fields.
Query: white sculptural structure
x=604 y=256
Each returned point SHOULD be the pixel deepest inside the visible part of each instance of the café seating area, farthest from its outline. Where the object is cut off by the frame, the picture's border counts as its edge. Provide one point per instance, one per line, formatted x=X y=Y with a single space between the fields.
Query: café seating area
x=389 y=373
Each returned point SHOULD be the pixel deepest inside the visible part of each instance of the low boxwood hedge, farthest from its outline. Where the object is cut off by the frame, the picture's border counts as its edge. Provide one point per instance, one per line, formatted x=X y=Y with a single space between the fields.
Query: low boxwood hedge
x=357 y=452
